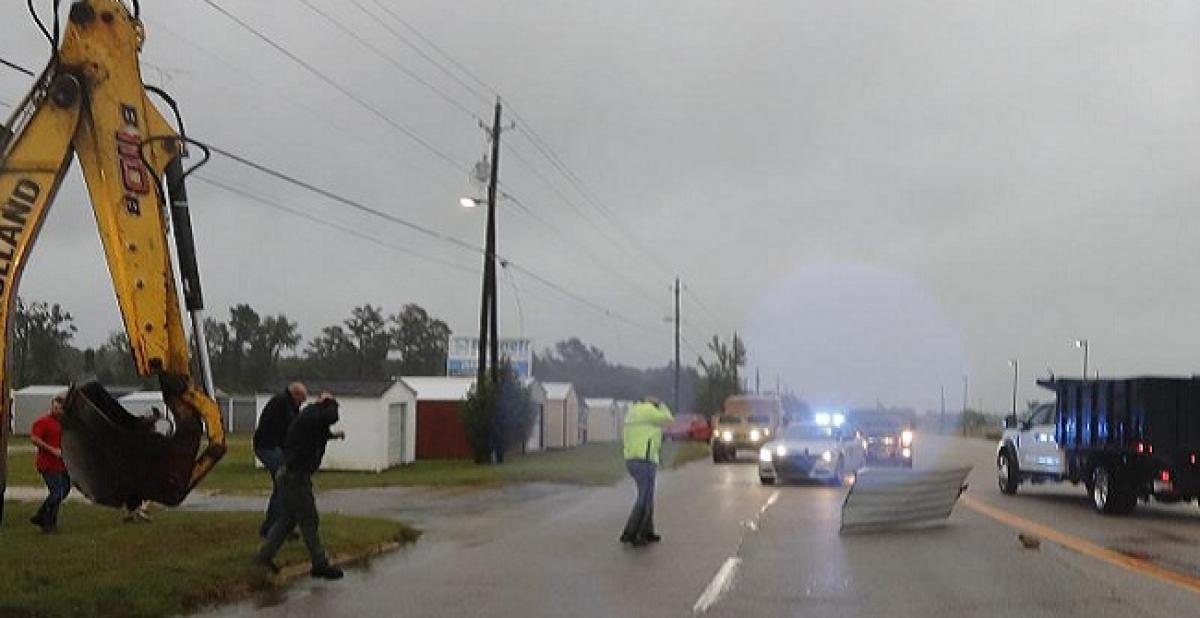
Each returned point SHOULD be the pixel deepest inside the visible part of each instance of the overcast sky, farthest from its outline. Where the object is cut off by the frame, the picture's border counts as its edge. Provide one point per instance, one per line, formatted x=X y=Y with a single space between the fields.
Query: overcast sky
x=882 y=196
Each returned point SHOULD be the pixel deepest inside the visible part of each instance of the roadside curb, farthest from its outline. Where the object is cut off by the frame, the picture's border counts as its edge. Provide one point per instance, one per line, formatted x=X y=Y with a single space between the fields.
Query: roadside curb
x=293 y=572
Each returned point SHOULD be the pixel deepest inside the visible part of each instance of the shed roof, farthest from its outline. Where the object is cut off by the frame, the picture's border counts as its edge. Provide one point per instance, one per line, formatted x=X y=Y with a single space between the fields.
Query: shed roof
x=600 y=402
x=558 y=390
x=439 y=388
x=363 y=389
x=41 y=389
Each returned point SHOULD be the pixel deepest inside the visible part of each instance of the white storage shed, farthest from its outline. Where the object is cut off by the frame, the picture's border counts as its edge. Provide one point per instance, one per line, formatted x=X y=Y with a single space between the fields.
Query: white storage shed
x=379 y=418
x=604 y=419
x=30 y=403
x=565 y=420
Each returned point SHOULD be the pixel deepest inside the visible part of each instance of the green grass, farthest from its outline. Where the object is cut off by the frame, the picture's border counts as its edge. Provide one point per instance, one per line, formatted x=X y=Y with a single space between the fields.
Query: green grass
x=591 y=464
x=98 y=566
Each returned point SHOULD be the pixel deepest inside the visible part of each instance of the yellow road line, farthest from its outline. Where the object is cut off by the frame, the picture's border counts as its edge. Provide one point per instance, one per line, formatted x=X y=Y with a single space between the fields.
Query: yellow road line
x=1082 y=546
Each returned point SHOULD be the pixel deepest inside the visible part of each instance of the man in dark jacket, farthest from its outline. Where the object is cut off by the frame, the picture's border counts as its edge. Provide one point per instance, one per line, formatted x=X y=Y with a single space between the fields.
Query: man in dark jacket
x=302 y=453
x=273 y=424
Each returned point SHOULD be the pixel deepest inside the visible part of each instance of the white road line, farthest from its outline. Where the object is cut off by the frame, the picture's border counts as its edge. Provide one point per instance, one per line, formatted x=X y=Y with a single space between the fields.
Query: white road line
x=723 y=581
x=719 y=585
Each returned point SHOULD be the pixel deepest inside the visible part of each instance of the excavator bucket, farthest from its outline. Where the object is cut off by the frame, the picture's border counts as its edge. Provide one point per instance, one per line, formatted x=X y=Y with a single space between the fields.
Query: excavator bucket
x=118 y=459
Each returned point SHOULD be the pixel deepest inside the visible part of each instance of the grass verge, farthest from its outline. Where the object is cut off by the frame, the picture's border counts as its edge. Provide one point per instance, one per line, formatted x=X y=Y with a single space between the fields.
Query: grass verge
x=590 y=464
x=99 y=566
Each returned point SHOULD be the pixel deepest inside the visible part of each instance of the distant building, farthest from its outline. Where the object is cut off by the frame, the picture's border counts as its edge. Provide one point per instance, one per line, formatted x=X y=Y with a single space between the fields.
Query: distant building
x=604 y=419
x=566 y=420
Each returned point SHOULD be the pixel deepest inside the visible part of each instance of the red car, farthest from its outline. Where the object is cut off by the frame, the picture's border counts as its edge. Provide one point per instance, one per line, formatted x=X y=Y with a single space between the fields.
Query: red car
x=688 y=427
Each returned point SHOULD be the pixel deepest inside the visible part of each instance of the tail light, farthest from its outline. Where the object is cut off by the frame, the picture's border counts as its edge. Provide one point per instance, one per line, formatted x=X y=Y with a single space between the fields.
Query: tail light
x=1193 y=458
x=1164 y=476
x=1142 y=447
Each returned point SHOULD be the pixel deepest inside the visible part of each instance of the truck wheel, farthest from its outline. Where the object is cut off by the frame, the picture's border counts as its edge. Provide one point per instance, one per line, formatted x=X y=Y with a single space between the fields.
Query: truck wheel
x=1109 y=495
x=1008 y=472
x=718 y=455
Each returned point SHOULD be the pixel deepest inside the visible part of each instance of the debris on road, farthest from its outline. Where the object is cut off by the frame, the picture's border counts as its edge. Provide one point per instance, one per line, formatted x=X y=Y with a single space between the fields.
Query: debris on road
x=883 y=498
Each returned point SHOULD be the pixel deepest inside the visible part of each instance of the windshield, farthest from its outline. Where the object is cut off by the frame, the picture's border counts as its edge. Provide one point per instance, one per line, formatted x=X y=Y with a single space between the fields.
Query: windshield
x=874 y=427
x=730 y=420
x=809 y=432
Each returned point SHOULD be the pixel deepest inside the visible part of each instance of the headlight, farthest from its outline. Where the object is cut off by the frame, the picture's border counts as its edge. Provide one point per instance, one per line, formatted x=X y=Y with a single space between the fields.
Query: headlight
x=906 y=453
x=827 y=456
x=781 y=450
x=906 y=437
x=727 y=436
x=755 y=435
x=766 y=432
x=764 y=455
x=889 y=440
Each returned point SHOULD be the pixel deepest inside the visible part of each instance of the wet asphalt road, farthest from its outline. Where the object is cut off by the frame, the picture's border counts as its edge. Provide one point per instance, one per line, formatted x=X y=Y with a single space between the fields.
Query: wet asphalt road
x=554 y=553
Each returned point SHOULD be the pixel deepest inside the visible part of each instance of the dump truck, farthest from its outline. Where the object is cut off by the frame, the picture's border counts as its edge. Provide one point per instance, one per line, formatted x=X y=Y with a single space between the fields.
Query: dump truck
x=1125 y=439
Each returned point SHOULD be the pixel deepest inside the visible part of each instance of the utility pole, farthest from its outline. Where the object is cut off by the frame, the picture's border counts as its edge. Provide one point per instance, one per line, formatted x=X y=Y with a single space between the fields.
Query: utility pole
x=676 y=402
x=965 y=391
x=757 y=390
x=943 y=423
x=489 y=338
x=1015 y=364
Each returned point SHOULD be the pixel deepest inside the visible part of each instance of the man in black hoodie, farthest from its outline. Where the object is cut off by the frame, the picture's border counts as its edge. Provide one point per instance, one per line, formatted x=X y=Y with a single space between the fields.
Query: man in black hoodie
x=302 y=452
x=273 y=424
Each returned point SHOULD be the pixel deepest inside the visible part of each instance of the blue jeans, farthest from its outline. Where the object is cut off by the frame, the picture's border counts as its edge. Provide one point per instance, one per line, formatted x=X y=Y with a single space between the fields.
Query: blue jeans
x=272 y=460
x=59 y=484
x=641 y=519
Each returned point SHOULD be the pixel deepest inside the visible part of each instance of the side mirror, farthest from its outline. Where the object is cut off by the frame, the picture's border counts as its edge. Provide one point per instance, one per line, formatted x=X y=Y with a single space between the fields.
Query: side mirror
x=1010 y=422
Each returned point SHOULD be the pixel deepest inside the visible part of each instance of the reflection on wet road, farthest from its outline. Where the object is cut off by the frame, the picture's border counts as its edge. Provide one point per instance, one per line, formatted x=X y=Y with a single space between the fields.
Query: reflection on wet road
x=735 y=548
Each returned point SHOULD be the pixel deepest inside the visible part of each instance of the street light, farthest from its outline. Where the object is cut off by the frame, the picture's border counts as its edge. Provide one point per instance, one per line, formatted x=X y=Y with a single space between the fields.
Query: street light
x=469 y=202
x=1083 y=343
x=1014 y=364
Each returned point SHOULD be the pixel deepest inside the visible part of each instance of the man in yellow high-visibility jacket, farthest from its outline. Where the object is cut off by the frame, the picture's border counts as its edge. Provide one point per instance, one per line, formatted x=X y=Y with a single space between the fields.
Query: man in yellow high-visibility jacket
x=643 y=436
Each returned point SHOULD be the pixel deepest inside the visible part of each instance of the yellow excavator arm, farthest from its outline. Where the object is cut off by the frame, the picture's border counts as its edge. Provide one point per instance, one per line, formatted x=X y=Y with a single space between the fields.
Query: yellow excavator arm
x=91 y=102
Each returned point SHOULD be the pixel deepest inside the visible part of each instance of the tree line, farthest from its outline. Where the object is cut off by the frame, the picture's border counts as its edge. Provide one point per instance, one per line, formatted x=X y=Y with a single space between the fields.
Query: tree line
x=252 y=351
x=249 y=351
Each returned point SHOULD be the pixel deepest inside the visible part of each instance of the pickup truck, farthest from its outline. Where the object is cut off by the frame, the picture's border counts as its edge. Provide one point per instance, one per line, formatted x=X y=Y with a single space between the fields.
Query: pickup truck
x=1124 y=439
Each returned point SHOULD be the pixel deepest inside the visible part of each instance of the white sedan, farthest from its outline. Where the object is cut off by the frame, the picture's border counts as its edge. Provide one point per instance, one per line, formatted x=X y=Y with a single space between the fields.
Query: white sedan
x=811 y=451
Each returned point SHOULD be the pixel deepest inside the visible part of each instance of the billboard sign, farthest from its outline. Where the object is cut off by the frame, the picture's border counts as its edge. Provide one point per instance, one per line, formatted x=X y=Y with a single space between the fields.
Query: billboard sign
x=463 y=357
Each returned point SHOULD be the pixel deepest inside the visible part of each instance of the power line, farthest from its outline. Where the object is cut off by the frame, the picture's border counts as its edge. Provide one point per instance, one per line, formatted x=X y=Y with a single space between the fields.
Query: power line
x=457 y=242
x=439 y=50
x=540 y=144
x=399 y=37
x=395 y=64
x=573 y=179
x=422 y=256
x=337 y=226
x=16 y=67
x=345 y=92
x=704 y=308
x=558 y=234
x=416 y=227
x=299 y=103
x=581 y=300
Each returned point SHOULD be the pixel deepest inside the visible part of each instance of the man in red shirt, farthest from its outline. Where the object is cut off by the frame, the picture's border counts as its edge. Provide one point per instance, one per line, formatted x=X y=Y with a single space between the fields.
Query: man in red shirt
x=46 y=435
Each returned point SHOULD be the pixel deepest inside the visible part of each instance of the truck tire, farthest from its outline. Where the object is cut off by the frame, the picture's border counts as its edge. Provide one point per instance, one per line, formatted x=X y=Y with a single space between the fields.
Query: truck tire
x=1008 y=472
x=1110 y=496
x=718 y=455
